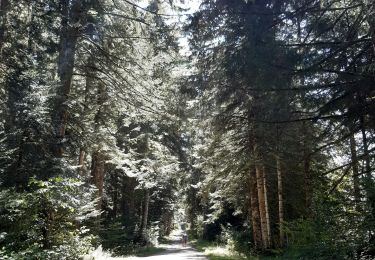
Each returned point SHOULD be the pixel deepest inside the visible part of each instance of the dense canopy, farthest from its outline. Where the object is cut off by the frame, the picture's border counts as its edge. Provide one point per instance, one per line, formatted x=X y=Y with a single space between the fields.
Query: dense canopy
x=249 y=122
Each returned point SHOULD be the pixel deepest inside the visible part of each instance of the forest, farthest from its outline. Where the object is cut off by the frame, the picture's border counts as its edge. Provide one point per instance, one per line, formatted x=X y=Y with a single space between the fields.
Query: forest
x=251 y=123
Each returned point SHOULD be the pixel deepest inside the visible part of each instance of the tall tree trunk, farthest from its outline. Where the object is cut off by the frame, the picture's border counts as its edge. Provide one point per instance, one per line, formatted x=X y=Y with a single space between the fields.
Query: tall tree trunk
x=306 y=157
x=146 y=202
x=355 y=171
x=73 y=13
x=266 y=206
x=261 y=200
x=98 y=156
x=169 y=223
x=280 y=200
x=128 y=208
x=254 y=210
x=88 y=85
x=115 y=197
x=97 y=174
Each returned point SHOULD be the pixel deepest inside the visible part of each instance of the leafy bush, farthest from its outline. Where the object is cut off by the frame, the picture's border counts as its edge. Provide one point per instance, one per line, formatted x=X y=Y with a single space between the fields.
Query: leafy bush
x=242 y=242
x=334 y=232
x=316 y=240
x=237 y=240
x=47 y=220
x=117 y=237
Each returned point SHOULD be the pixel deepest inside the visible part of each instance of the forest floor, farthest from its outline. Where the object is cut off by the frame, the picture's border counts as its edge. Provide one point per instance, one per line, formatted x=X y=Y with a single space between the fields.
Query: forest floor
x=172 y=249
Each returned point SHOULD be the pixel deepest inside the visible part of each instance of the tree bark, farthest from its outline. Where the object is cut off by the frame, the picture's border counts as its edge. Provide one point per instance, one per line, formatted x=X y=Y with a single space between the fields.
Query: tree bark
x=98 y=162
x=97 y=174
x=261 y=200
x=169 y=223
x=280 y=200
x=128 y=207
x=146 y=202
x=115 y=196
x=72 y=12
x=266 y=206
x=89 y=84
x=254 y=210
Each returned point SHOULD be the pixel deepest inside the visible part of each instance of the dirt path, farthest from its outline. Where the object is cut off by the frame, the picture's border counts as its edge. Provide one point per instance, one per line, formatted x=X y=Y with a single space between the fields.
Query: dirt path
x=174 y=250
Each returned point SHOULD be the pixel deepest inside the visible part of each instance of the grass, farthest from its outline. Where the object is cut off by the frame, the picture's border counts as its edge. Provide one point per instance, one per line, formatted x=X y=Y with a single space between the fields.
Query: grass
x=141 y=252
x=215 y=251
x=137 y=251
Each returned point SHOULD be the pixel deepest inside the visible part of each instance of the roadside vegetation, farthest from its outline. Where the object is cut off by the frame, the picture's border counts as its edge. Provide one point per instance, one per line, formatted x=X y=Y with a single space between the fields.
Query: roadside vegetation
x=250 y=123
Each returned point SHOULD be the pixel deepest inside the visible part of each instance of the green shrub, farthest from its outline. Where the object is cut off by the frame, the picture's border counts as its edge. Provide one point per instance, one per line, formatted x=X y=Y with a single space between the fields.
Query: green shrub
x=117 y=237
x=47 y=220
x=237 y=240
x=312 y=240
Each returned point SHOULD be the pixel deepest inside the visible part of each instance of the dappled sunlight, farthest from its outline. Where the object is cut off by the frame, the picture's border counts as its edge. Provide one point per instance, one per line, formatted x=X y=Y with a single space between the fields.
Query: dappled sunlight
x=187 y=129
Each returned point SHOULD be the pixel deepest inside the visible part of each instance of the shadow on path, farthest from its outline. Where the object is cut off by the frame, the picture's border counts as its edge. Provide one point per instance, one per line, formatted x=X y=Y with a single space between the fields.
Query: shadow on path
x=173 y=250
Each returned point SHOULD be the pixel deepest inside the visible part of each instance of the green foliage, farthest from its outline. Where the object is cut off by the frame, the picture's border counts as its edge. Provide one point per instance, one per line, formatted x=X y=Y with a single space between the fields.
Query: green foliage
x=118 y=238
x=328 y=236
x=122 y=240
x=47 y=221
x=219 y=250
x=230 y=257
x=238 y=240
x=98 y=80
